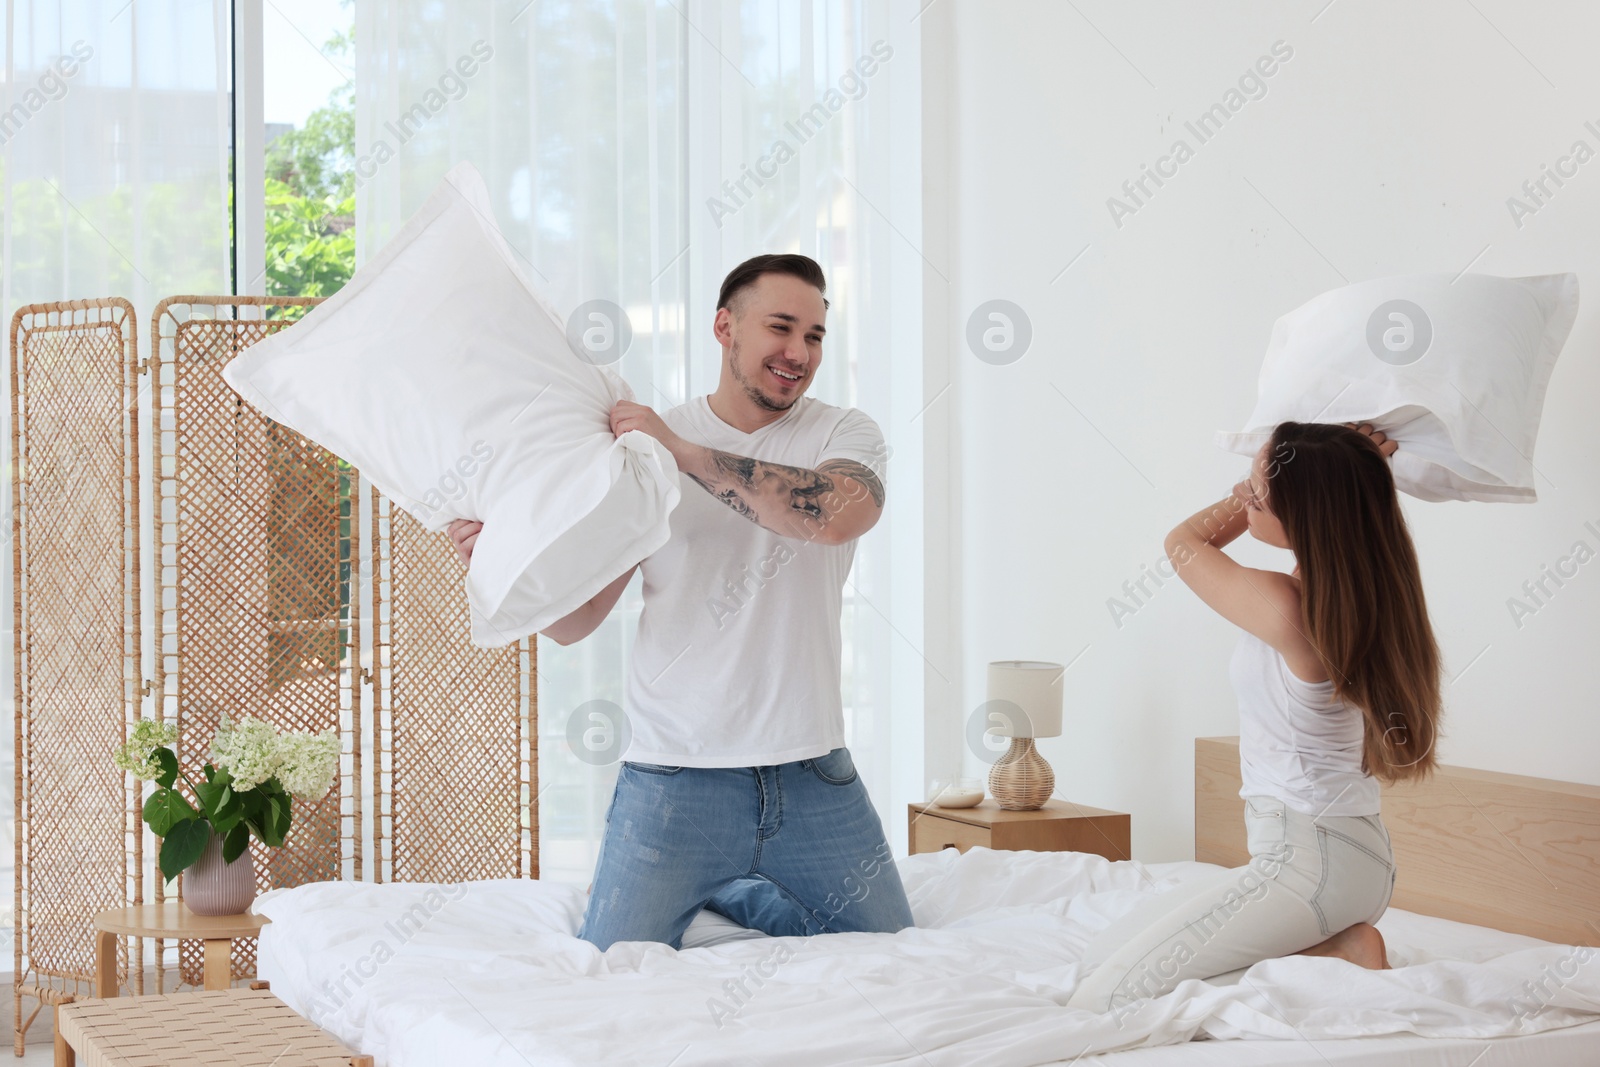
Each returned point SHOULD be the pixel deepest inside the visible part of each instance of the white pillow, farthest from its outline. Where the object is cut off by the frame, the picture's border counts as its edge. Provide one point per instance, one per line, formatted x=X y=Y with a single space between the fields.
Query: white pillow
x=444 y=378
x=1453 y=368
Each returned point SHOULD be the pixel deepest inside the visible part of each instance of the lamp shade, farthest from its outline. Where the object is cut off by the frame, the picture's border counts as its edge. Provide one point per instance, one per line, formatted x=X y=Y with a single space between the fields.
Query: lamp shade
x=1034 y=687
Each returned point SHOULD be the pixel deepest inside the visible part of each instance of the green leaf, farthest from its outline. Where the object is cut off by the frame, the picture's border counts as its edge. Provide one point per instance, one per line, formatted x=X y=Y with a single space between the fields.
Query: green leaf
x=165 y=809
x=229 y=813
x=182 y=846
x=276 y=823
x=169 y=767
x=235 y=843
x=261 y=816
x=212 y=796
x=255 y=808
x=285 y=809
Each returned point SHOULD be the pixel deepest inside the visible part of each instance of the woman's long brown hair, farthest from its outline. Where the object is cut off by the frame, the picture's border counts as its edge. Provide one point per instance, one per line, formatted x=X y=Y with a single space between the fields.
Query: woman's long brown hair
x=1360 y=588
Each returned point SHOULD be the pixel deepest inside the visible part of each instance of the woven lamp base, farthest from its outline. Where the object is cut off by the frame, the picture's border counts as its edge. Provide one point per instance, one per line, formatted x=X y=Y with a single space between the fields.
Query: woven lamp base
x=1021 y=780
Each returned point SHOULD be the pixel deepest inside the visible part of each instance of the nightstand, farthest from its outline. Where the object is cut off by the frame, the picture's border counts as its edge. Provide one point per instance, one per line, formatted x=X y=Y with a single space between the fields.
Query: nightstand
x=1057 y=827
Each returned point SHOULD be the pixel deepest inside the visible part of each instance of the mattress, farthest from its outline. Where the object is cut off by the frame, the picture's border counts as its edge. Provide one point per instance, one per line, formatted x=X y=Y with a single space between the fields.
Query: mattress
x=490 y=973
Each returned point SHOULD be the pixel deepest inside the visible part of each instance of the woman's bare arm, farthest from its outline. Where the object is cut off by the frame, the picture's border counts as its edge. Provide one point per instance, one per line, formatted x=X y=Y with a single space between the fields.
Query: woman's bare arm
x=1265 y=603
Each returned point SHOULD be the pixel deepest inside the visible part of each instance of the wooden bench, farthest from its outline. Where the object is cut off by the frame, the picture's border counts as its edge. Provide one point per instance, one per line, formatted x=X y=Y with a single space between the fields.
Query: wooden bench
x=246 y=1027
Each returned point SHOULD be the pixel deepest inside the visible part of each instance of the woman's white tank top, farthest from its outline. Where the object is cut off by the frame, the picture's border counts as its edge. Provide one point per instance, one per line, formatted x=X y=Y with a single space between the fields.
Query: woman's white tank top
x=1297 y=741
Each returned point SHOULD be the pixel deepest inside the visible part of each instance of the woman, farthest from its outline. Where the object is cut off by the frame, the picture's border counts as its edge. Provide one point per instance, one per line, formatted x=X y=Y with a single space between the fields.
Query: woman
x=1337 y=675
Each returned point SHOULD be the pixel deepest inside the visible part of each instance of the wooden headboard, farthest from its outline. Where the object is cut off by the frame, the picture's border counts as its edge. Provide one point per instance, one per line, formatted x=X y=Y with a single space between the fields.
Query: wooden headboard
x=1500 y=850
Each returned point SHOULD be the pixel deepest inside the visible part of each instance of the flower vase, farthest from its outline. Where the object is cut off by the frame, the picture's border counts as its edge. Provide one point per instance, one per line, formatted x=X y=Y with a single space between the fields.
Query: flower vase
x=213 y=887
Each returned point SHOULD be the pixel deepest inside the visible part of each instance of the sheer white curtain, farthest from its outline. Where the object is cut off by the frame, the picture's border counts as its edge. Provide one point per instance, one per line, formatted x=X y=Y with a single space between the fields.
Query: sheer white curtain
x=113 y=182
x=636 y=151
x=115 y=140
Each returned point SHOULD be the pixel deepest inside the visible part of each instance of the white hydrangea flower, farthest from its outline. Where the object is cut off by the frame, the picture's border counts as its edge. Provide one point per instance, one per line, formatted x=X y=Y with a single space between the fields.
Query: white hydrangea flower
x=248 y=749
x=138 y=756
x=307 y=763
x=253 y=752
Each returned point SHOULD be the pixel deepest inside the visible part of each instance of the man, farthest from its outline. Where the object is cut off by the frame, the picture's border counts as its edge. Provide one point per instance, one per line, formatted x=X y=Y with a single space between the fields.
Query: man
x=737 y=792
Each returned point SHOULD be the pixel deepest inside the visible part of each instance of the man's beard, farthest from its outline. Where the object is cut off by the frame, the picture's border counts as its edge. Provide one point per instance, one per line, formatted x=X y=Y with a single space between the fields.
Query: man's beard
x=750 y=389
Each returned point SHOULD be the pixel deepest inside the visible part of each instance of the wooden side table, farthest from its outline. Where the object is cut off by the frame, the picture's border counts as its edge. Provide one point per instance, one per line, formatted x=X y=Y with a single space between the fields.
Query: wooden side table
x=1057 y=827
x=242 y=1027
x=172 y=919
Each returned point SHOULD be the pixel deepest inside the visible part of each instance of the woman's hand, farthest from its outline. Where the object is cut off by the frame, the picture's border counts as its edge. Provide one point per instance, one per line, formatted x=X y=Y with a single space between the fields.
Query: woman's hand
x=1385 y=446
x=464 y=534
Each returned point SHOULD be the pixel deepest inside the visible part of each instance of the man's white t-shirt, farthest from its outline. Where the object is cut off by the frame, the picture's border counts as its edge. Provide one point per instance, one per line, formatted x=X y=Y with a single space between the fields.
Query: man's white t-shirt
x=737 y=659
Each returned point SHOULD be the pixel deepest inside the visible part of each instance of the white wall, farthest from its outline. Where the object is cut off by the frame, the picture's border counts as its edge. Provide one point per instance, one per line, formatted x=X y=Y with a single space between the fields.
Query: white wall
x=1388 y=143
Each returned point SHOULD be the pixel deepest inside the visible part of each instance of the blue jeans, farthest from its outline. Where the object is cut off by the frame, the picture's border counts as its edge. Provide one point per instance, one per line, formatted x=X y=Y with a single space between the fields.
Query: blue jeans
x=790 y=849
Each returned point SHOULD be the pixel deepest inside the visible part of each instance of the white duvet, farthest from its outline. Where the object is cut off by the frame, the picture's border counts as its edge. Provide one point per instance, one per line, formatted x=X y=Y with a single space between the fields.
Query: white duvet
x=489 y=973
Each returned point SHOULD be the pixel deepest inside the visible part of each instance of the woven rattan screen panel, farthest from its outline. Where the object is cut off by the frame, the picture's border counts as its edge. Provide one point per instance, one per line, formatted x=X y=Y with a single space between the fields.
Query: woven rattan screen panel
x=456 y=783
x=259 y=612
x=74 y=494
x=256 y=610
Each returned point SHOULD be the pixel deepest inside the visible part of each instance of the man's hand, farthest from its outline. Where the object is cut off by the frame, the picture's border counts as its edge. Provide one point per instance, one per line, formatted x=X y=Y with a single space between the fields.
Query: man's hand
x=1386 y=447
x=627 y=415
x=464 y=534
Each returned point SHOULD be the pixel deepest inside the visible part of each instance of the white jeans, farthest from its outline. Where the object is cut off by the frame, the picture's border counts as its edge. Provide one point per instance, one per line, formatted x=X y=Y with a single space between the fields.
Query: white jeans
x=1308 y=878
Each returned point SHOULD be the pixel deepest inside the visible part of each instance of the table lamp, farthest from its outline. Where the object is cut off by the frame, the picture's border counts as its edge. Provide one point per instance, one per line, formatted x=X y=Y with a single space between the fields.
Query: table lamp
x=1024 y=703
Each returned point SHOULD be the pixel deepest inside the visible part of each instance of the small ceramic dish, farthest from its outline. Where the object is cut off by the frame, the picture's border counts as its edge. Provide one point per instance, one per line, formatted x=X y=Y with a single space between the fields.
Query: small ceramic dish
x=956 y=793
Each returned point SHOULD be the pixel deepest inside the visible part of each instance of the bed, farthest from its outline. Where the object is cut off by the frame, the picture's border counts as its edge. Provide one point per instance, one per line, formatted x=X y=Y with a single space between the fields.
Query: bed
x=490 y=973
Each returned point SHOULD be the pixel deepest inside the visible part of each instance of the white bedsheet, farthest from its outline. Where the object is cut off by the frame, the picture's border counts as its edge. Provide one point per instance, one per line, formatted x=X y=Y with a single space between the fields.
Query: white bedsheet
x=490 y=973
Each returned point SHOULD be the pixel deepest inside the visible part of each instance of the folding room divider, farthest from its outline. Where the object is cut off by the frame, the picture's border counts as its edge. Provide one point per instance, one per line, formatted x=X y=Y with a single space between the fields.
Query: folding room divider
x=75 y=670
x=256 y=609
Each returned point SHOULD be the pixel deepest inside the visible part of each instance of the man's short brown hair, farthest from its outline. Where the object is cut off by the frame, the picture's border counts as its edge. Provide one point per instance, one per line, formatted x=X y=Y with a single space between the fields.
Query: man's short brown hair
x=746 y=274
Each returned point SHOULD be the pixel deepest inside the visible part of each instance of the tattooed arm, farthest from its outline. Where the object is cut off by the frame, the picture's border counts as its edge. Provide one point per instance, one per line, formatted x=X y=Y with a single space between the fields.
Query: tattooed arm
x=836 y=503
